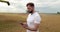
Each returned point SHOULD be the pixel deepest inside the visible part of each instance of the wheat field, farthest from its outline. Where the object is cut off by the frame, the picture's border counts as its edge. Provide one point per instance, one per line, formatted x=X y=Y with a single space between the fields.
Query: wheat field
x=9 y=22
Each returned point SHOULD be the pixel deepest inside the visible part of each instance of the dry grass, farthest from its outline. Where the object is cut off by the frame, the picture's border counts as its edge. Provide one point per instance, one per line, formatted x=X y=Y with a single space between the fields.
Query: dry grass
x=10 y=22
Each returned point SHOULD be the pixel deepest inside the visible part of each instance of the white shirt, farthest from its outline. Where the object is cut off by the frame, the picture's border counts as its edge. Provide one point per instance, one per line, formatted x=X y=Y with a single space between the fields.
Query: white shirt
x=31 y=19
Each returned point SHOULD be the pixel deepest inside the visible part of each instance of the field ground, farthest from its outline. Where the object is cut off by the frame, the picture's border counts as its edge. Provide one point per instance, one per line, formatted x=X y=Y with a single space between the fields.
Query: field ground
x=10 y=22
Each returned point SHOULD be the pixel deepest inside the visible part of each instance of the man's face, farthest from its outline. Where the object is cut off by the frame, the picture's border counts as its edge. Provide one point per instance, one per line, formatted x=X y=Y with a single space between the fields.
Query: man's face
x=30 y=9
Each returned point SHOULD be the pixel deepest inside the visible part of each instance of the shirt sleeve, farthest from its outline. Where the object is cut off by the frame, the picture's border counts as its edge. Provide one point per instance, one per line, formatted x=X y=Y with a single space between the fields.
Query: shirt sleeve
x=37 y=19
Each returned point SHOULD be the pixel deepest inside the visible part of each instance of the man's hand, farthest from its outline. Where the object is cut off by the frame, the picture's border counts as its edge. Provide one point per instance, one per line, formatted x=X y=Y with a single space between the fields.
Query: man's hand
x=24 y=25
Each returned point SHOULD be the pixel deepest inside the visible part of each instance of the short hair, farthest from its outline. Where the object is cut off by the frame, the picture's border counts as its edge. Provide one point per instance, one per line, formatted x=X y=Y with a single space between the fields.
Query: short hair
x=31 y=4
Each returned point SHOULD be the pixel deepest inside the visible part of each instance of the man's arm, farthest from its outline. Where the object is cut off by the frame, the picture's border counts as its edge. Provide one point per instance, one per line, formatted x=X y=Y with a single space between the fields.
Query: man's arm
x=36 y=26
x=29 y=28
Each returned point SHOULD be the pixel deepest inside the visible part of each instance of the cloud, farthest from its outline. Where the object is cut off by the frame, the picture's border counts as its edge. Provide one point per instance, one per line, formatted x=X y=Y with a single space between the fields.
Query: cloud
x=49 y=6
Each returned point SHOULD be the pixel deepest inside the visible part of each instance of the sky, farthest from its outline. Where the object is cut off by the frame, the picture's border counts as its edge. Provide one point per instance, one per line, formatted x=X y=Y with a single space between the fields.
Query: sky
x=42 y=6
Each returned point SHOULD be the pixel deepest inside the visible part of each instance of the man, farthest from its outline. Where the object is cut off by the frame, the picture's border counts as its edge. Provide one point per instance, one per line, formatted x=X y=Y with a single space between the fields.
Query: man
x=33 y=19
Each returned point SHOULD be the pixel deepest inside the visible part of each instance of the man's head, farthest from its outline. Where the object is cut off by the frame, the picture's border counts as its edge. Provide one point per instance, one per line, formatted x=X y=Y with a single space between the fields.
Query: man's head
x=30 y=7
